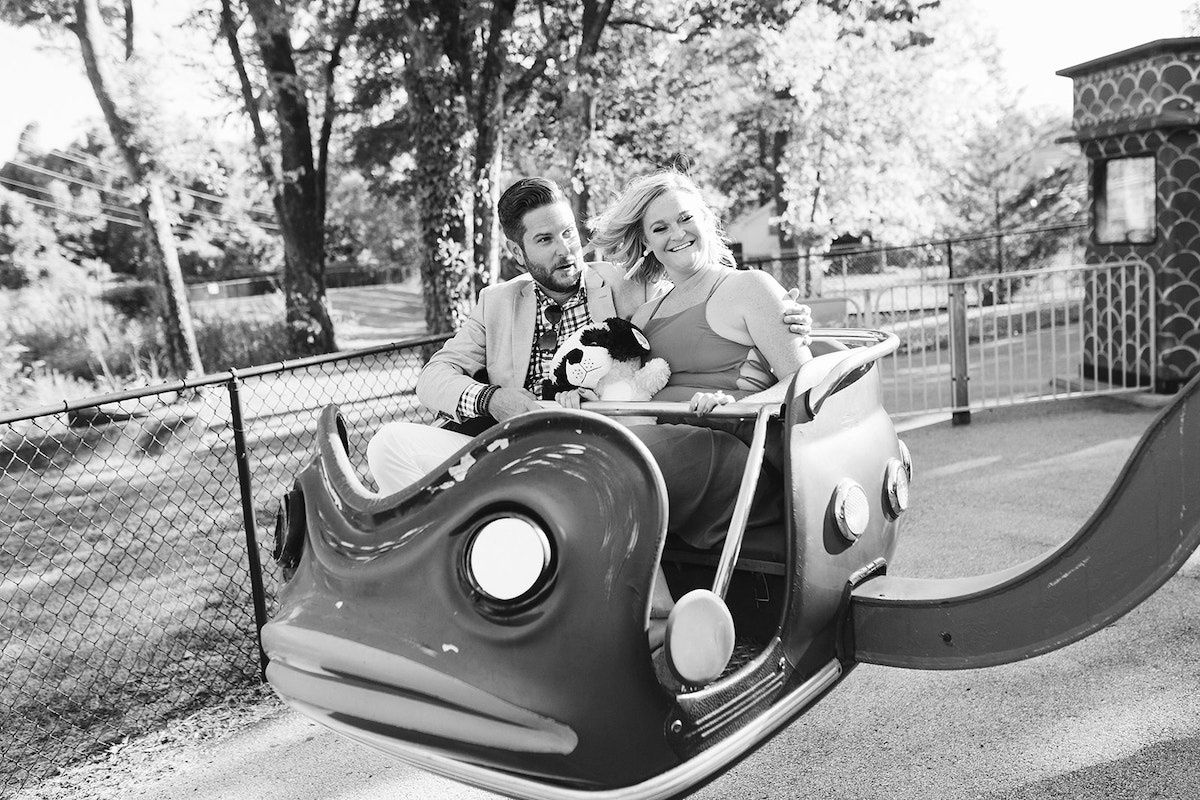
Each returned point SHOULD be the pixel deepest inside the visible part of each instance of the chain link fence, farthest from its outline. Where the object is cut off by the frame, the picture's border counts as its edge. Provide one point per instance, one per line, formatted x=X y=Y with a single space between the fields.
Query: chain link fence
x=131 y=590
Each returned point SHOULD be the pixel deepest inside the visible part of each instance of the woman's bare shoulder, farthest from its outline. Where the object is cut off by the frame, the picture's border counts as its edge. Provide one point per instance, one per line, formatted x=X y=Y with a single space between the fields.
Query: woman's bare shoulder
x=752 y=287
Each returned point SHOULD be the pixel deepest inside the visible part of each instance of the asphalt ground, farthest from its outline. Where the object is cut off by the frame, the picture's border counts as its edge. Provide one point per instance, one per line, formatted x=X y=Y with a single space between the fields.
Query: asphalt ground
x=1116 y=715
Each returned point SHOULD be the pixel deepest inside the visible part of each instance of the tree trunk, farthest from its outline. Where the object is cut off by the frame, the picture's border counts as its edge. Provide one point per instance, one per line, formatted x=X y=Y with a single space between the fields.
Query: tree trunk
x=487 y=195
x=489 y=118
x=584 y=126
x=442 y=152
x=298 y=188
x=581 y=102
x=181 y=337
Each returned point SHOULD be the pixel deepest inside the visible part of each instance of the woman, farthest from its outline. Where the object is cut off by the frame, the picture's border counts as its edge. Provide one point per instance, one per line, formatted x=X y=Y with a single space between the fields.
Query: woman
x=714 y=327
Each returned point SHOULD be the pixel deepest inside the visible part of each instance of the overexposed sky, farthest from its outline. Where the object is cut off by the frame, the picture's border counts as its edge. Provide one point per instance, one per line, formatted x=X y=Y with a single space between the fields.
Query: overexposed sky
x=1038 y=37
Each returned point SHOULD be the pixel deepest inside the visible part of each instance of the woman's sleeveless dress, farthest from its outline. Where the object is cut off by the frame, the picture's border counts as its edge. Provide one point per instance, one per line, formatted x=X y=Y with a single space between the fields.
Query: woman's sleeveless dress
x=701 y=359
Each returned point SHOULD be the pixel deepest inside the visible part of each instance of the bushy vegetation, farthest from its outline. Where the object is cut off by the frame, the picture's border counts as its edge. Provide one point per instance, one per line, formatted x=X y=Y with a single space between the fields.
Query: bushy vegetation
x=64 y=340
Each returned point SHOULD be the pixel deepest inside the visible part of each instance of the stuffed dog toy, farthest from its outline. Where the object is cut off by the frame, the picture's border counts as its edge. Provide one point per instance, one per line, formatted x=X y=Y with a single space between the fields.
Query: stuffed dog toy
x=612 y=359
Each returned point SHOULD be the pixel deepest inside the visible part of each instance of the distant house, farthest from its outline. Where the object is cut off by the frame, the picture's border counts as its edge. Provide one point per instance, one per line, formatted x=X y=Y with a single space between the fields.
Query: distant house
x=756 y=232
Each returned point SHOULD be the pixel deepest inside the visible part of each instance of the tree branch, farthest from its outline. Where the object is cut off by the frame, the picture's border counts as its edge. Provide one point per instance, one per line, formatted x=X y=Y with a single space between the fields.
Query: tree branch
x=631 y=22
x=229 y=27
x=128 y=29
x=344 y=31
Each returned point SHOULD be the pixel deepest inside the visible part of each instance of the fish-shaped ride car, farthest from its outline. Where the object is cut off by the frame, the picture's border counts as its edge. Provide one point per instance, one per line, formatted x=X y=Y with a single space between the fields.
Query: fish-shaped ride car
x=489 y=623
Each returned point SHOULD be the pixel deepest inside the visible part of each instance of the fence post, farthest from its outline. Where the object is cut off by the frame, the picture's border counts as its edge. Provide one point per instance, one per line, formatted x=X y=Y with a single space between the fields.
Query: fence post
x=958 y=353
x=258 y=595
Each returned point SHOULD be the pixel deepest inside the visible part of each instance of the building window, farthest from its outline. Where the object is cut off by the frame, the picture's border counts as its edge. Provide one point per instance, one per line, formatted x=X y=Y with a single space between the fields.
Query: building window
x=1125 y=201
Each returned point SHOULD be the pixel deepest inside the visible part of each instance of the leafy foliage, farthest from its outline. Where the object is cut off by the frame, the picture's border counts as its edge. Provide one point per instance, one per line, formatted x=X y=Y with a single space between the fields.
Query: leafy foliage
x=29 y=251
x=842 y=110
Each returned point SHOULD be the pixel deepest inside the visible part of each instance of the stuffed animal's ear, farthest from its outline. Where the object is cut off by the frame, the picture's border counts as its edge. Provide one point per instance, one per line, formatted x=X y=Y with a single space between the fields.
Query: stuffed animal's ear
x=626 y=342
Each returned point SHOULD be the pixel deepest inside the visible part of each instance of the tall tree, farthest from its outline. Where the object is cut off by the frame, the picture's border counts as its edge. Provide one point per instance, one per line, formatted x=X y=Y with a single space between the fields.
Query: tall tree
x=126 y=125
x=297 y=175
x=448 y=62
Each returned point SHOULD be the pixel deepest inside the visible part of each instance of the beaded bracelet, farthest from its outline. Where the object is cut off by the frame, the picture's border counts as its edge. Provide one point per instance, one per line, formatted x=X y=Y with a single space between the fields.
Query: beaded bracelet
x=485 y=399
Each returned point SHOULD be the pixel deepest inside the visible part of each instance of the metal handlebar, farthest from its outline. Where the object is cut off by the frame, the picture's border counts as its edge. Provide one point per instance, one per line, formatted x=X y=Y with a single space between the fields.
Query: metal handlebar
x=732 y=547
x=883 y=343
x=670 y=409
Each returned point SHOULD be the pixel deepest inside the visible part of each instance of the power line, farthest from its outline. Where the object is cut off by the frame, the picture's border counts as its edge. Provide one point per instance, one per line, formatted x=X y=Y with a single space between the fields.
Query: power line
x=20 y=185
x=62 y=176
x=269 y=226
x=87 y=160
x=134 y=222
x=105 y=217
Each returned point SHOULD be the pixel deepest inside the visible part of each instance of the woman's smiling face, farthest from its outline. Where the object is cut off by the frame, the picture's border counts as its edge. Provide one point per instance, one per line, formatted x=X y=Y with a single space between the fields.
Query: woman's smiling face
x=676 y=231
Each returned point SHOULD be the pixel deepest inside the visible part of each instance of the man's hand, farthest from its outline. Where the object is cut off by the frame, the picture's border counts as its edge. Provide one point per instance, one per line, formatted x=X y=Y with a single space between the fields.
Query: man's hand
x=797 y=316
x=508 y=402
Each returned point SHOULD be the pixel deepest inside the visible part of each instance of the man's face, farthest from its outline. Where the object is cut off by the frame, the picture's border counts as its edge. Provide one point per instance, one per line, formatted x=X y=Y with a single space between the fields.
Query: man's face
x=550 y=249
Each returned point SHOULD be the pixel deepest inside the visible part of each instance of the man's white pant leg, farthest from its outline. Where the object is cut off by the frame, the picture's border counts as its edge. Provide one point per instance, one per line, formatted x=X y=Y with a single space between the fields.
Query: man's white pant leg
x=401 y=453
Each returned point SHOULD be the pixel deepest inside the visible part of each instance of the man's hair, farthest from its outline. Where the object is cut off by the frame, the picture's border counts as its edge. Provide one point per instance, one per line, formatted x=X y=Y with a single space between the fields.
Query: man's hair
x=526 y=195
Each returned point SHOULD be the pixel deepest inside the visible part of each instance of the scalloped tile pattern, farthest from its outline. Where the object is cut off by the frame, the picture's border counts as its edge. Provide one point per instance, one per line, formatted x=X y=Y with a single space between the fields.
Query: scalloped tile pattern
x=1141 y=88
x=1144 y=88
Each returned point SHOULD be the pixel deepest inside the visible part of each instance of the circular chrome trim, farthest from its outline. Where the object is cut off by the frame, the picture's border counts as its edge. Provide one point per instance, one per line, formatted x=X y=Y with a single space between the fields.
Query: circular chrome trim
x=507 y=558
x=906 y=458
x=851 y=509
x=896 y=485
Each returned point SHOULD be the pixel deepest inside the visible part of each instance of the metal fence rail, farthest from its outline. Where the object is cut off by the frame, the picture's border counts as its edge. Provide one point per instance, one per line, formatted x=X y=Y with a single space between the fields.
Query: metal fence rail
x=129 y=547
x=992 y=340
x=860 y=274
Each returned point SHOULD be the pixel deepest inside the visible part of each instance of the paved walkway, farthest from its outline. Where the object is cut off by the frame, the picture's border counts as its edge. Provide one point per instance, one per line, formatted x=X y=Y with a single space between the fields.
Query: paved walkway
x=1114 y=716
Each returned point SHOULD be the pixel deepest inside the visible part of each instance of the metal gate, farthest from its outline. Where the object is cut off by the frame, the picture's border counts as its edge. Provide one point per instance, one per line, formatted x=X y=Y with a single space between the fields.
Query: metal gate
x=1002 y=339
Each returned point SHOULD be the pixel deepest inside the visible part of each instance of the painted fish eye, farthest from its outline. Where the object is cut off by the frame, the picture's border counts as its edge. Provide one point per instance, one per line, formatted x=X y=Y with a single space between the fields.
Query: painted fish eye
x=507 y=558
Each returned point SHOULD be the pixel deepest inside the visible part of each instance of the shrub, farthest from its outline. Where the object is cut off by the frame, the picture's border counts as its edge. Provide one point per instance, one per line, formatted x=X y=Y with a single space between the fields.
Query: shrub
x=69 y=331
x=131 y=298
x=243 y=335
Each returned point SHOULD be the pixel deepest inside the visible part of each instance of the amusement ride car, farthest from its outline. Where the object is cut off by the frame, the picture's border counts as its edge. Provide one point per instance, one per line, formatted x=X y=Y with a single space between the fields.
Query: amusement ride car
x=489 y=623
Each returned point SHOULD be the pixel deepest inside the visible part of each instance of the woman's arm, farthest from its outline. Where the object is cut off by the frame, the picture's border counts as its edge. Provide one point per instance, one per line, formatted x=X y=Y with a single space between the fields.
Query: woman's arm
x=747 y=309
x=751 y=302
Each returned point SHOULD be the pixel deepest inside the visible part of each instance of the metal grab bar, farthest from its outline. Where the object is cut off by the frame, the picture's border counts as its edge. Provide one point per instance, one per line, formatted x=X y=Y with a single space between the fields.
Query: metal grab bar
x=653 y=408
x=741 y=509
x=885 y=343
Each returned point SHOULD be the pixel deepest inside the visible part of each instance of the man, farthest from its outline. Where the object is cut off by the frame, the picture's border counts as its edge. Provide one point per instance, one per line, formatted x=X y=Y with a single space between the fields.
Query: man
x=516 y=326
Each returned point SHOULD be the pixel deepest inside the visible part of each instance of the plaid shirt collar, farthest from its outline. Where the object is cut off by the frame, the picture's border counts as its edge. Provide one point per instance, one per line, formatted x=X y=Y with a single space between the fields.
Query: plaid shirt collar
x=575 y=316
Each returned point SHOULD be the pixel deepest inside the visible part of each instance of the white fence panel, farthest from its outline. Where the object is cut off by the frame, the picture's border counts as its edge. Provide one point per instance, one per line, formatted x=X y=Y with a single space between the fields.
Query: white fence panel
x=992 y=340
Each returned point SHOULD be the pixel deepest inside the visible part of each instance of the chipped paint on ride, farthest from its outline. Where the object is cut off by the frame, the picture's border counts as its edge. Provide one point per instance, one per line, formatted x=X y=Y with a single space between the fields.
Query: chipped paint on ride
x=459 y=471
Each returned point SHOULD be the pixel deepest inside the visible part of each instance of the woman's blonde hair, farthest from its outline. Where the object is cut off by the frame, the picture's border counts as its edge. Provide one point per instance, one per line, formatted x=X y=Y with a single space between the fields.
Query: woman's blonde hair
x=617 y=232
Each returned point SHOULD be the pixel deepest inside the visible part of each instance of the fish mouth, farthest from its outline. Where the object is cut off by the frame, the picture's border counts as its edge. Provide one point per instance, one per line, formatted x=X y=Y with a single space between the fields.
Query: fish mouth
x=366 y=687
